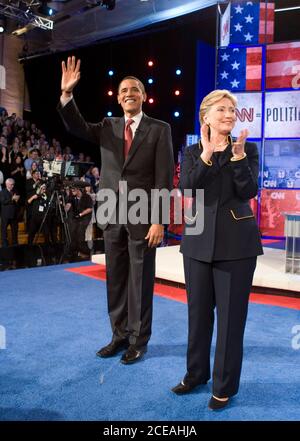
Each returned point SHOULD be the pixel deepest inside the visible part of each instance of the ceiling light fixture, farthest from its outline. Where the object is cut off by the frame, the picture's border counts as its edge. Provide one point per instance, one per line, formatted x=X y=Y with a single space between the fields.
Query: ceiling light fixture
x=109 y=4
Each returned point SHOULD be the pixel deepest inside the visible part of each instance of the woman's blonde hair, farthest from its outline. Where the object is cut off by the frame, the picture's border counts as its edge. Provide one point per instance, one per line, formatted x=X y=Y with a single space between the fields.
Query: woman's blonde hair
x=212 y=98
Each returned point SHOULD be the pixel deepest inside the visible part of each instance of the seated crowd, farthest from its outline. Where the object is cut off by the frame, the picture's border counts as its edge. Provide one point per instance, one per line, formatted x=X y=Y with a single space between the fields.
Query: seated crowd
x=27 y=191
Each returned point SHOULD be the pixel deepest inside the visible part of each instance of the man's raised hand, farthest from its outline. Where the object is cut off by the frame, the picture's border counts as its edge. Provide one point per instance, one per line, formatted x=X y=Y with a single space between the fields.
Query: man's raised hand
x=70 y=74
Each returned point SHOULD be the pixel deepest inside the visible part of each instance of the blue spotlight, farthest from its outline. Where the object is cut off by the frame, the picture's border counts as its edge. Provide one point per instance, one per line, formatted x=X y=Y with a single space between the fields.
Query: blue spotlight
x=150 y=81
x=178 y=72
x=176 y=114
x=110 y=73
x=109 y=114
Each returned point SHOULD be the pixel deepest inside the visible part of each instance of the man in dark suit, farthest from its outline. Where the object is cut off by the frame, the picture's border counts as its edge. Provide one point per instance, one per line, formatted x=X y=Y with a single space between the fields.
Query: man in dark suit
x=135 y=150
x=9 y=212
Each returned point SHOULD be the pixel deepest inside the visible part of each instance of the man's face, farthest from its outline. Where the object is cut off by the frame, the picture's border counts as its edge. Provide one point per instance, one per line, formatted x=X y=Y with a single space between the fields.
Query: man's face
x=131 y=97
x=10 y=185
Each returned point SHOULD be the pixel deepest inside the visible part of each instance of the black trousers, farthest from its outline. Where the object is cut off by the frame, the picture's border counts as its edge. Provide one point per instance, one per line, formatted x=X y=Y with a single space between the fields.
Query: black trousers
x=225 y=285
x=14 y=231
x=130 y=270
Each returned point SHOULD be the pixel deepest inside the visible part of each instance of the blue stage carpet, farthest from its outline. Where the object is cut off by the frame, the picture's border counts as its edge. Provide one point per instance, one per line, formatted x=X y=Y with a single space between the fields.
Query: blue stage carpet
x=56 y=320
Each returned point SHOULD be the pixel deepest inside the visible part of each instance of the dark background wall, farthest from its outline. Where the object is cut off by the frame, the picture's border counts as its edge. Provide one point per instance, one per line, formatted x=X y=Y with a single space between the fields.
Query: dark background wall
x=170 y=45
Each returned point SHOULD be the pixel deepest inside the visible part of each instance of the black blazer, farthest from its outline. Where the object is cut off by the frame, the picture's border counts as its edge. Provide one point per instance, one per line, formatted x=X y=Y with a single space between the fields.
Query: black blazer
x=230 y=229
x=8 y=206
x=149 y=164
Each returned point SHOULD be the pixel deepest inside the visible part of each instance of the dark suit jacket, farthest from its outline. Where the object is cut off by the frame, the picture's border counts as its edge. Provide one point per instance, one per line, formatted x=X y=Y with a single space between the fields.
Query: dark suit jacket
x=149 y=164
x=8 y=206
x=230 y=229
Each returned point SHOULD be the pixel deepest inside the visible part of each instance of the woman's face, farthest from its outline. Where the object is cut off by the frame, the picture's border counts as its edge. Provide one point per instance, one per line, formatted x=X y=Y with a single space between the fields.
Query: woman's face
x=221 y=116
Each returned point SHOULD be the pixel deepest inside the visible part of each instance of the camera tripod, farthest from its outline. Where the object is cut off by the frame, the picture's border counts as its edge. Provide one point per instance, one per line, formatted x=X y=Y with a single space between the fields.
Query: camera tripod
x=58 y=199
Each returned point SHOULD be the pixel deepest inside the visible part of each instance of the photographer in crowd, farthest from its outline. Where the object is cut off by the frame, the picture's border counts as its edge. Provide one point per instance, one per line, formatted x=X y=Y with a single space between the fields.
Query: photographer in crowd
x=79 y=208
x=38 y=204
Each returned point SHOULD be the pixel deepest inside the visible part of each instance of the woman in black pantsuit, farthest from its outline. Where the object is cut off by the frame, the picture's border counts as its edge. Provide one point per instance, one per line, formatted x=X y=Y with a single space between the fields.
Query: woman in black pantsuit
x=219 y=263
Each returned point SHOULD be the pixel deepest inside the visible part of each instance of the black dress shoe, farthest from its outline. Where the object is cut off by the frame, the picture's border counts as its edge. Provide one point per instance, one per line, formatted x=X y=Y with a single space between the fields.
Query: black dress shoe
x=184 y=388
x=215 y=404
x=133 y=355
x=112 y=348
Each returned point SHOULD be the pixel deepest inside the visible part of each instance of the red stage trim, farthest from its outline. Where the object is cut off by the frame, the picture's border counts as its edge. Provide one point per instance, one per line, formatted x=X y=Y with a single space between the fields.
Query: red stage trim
x=179 y=294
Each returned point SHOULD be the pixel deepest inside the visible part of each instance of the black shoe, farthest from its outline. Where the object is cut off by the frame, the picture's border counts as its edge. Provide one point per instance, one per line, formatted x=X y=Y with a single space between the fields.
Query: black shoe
x=112 y=348
x=215 y=404
x=185 y=388
x=133 y=355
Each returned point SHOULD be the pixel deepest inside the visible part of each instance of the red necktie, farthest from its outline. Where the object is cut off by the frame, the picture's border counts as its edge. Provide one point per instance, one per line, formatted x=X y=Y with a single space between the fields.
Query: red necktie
x=127 y=137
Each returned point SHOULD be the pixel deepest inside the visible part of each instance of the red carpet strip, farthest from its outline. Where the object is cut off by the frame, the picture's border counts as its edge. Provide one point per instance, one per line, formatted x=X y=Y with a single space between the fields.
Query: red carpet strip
x=179 y=294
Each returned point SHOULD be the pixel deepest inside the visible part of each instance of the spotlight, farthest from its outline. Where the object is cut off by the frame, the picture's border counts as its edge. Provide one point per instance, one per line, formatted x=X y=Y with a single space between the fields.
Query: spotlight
x=151 y=100
x=176 y=114
x=109 y=114
x=110 y=93
x=110 y=73
x=178 y=72
x=44 y=9
x=2 y=25
x=150 y=63
x=150 y=80
x=109 y=4
x=177 y=92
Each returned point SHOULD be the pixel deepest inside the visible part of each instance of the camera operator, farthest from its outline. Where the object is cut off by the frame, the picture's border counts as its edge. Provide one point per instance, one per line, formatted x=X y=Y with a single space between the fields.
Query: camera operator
x=38 y=203
x=79 y=208
x=31 y=185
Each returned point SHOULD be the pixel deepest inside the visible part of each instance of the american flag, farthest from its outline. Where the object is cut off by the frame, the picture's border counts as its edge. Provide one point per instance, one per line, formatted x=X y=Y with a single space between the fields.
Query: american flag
x=239 y=68
x=283 y=65
x=252 y=22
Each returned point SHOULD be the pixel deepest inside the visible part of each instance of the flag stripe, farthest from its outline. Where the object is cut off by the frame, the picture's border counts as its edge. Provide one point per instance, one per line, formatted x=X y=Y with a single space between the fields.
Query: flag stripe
x=279 y=82
x=285 y=46
x=281 y=68
x=253 y=72
x=281 y=59
x=253 y=84
x=266 y=22
x=253 y=68
x=283 y=54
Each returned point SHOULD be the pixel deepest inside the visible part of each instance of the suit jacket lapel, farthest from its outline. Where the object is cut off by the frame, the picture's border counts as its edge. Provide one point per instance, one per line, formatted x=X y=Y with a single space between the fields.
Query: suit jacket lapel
x=139 y=136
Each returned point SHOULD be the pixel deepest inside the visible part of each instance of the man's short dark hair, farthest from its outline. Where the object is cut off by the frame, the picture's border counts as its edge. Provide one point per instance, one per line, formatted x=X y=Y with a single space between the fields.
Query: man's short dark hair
x=130 y=77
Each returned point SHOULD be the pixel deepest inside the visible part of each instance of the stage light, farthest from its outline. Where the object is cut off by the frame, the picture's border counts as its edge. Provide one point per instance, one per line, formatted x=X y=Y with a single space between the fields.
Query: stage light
x=110 y=73
x=1 y=29
x=150 y=81
x=151 y=100
x=150 y=63
x=46 y=10
x=110 y=93
x=109 y=4
x=178 y=72
x=109 y=114
x=177 y=92
x=176 y=114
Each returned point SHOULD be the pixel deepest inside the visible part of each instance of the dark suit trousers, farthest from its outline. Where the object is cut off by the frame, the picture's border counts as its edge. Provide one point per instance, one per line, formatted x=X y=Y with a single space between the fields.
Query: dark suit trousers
x=130 y=270
x=14 y=231
x=225 y=285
